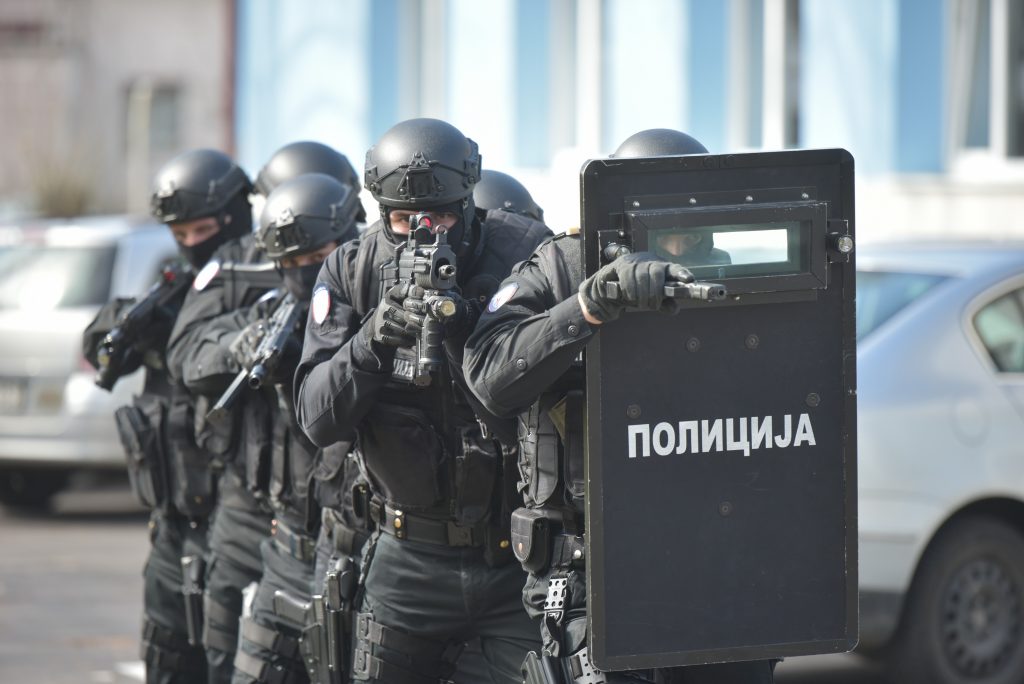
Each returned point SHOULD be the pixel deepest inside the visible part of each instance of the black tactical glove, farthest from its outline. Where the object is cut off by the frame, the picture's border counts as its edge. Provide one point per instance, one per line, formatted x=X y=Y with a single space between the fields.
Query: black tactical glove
x=243 y=347
x=391 y=325
x=460 y=323
x=289 y=359
x=641 y=279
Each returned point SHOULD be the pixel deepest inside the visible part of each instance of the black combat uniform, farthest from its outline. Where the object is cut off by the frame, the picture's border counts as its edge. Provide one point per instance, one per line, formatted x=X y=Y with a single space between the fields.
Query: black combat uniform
x=169 y=469
x=524 y=358
x=437 y=574
x=170 y=476
x=303 y=218
x=213 y=315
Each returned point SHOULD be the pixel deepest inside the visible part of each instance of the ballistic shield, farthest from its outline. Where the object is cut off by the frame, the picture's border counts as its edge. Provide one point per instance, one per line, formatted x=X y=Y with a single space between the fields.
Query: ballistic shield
x=721 y=461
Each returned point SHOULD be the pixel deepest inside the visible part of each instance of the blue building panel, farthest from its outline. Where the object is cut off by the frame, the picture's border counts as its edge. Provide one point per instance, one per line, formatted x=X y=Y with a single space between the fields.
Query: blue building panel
x=849 y=79
x=706 y=65
x=920 y=106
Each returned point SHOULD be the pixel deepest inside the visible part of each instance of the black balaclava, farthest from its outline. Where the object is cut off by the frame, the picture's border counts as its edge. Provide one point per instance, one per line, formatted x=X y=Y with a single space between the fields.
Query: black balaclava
x=300 y=280
x=239 y=224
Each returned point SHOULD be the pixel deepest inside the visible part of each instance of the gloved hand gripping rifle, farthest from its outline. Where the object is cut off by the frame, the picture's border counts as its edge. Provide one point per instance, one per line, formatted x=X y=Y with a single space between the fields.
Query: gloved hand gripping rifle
x=277 y=329
x=426 y=260
x=159 y=305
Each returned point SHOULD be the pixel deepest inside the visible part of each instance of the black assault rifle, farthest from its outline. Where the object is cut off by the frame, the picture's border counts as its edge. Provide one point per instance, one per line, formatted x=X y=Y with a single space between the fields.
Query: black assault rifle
x=275 y=333
x=159 y=305
x=426 y=260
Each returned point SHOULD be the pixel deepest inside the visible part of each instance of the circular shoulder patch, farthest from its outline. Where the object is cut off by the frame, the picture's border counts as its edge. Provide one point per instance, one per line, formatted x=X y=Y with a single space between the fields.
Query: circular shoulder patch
x=502 y=296
x=205 y=275
x=321 y=304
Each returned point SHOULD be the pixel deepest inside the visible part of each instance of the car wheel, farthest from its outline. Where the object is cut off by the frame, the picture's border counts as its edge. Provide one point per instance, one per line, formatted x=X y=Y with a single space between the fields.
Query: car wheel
x=964 y=617
x=30 y=489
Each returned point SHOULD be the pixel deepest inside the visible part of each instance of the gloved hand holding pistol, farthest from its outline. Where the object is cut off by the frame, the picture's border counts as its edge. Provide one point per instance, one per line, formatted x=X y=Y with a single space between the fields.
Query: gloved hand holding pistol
x=640 y=281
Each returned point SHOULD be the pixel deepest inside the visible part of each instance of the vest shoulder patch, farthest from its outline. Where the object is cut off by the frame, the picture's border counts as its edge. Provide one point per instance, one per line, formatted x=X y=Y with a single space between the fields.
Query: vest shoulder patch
x=320 y=305
x=502 y=296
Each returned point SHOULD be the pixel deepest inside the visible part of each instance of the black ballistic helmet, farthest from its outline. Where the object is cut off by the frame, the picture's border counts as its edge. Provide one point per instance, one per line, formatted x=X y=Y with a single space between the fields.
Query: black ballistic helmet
x=497 y=190
x=305 y=213
x=659 y=142
x=197 y=184
x=423 y=164
x=297 y=158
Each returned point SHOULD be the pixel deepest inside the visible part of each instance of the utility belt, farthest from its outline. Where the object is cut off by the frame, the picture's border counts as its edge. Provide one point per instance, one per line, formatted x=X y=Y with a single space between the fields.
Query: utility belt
x=419 y=528
x=298 y=545
x=494 y=541
x=545 y=538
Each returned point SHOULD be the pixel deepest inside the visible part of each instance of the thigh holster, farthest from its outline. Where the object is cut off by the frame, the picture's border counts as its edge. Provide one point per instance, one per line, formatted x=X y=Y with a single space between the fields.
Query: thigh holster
x=387 y=654
x=162 y=649
x=220 y=626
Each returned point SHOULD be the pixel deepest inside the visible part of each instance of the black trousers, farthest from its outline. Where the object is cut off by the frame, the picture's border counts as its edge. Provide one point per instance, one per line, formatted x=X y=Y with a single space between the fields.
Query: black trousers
x=423 y=602
x=165 y=649
x=281 y=571
x=233 y=563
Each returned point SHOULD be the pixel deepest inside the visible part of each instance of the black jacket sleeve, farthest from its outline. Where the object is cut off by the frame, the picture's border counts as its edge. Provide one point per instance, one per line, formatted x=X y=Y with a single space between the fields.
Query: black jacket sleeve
x=341 y=370
x=524 y=341
x=198 y=353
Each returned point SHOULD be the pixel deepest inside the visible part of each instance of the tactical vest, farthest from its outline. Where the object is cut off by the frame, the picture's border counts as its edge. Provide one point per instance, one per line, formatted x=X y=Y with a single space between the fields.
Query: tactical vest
x=244 y=443
x=167 y=470
x=551 y=431
x=422 y=448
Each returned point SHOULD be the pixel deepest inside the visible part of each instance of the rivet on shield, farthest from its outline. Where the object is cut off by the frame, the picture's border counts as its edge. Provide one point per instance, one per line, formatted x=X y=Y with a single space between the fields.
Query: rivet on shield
x=813 y=399
x=752 y=341
x=692 y=344
x=725 y=508
x=633 y=411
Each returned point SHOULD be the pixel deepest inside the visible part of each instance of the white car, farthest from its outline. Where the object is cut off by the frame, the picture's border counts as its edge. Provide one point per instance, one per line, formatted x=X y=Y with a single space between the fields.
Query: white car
x=941 y=460
x=54 y=276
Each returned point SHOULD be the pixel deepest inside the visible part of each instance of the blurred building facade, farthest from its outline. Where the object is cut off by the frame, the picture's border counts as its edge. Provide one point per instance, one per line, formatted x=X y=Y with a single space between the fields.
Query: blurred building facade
x=927 y=94
x=96 y=94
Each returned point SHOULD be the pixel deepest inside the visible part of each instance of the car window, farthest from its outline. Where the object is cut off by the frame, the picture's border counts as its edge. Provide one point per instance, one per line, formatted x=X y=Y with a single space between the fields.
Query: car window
x=883 y=294
x=1000 y=325
x=44 y=277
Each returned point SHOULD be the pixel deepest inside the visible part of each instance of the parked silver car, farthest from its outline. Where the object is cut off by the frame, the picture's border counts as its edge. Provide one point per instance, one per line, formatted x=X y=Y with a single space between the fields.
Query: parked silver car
x=941 y=460
x=54 y=276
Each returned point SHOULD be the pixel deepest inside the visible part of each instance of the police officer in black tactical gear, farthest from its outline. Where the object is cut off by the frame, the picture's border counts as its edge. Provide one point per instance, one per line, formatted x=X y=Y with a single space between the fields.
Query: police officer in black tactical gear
x=524 y=358
x=303 y=220
x=497 y=190
x=438 y=571
x=307 y=156
x=202 y=196
x=200 y=354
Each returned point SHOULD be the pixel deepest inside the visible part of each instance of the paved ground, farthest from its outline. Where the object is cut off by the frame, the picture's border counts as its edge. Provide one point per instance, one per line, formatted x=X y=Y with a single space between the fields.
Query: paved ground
x=71 y=587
